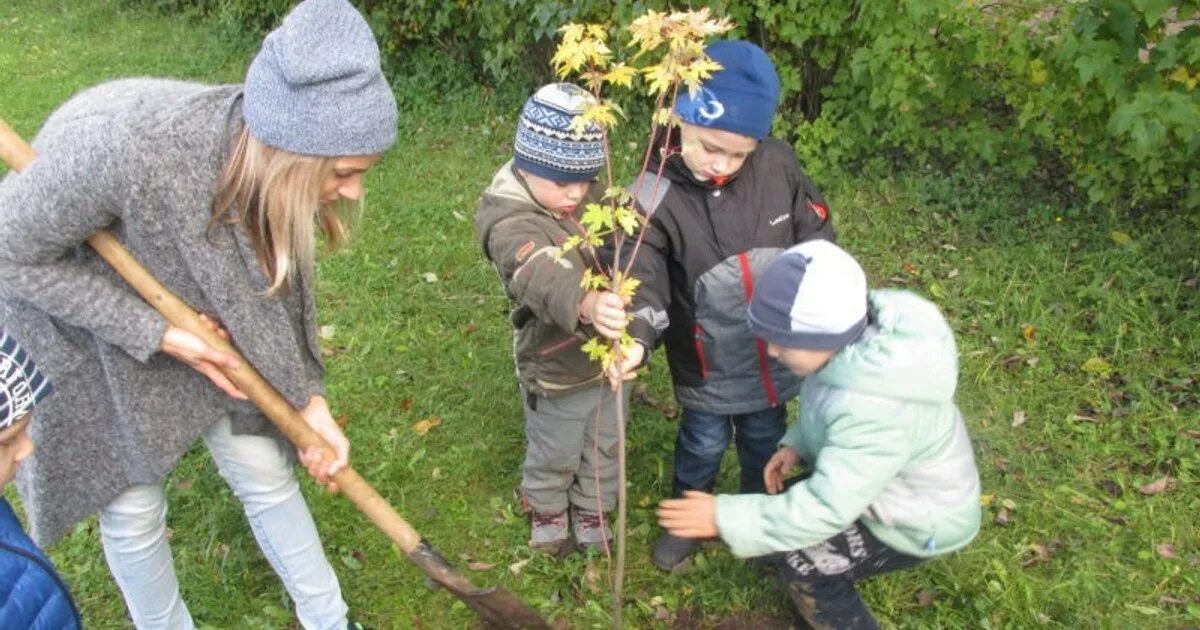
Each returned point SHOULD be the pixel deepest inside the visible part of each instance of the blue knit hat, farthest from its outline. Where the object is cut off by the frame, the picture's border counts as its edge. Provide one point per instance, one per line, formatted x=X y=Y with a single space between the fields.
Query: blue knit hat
x=21 y=384
x=813 y=296
x=546 y=145
x=741 y=97
x=316 y=86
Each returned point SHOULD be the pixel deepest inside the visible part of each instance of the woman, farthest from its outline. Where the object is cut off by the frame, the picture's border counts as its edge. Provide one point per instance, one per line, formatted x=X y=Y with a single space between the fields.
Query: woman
x=219 y=191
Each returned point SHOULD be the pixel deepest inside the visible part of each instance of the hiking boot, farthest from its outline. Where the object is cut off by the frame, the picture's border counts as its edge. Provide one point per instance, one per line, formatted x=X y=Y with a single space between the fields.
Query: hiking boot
x=590 y=529
x=548 y=531
x=671 y=552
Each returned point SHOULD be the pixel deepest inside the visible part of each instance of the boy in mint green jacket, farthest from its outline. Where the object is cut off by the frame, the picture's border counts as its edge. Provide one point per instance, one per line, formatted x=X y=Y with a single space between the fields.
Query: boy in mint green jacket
x=892 y=475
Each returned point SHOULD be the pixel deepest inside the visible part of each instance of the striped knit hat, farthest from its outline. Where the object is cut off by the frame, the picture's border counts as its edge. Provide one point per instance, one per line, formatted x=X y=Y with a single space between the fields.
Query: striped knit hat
x=546 y=145
x=21 y=384
x=813 y=297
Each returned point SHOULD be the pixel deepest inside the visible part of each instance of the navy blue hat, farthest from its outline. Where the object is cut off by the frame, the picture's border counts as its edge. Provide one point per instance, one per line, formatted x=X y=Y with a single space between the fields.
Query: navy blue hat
x=21 y=384
x=547 y=146
x=741 y=97
x=813 y=297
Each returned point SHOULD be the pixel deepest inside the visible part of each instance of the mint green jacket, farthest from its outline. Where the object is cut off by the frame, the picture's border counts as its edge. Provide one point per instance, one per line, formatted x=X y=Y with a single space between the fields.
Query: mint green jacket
x=879 y=429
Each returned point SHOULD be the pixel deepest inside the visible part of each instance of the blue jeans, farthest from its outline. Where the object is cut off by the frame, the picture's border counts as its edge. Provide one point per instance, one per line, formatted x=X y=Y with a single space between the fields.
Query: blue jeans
x=703 y=438
x=133 y=533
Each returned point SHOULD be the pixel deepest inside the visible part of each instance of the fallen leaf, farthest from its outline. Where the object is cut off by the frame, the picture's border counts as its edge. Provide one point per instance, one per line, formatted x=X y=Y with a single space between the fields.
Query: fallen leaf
x=1003 y=517
x=184 y=484
x=1166 y=551
x=458 y=215
x=1028 y=333
x=437 y=473
x=671 y=412
x=1096 y=365
x=481 y=566
x=1157 y=486
x=422 y=427
x=926 y=597
x=912 y=269
x=1018 y=418
x=429 y=277
x=1172 y=601
x=518 y=566
x=953 y=274
x=342 y=420
x=591 y=577
x=1120 y=238
x=470 y=327
x=641 y=394
x=1032 y=361
x=406 y=404
x=1117 y=520
x=327 y=331
x=661 y=613
x=1043 y=618
x=986 y=499
x=1039 y=553
x=1081 y=418
x=1111 y=488
x=1192 y=433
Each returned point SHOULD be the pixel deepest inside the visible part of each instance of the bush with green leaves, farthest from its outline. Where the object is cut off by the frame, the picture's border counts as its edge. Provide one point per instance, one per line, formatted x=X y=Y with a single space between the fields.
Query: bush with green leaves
x=1094 y=99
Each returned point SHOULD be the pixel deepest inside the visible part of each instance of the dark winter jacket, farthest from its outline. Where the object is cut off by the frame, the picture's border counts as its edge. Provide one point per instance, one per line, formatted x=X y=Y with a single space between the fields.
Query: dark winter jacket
x=704 y=247
x=31 y=593
x=522 y=240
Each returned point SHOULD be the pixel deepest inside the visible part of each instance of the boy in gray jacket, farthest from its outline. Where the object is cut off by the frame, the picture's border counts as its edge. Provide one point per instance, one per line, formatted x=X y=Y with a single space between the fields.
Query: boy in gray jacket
x=530 y=208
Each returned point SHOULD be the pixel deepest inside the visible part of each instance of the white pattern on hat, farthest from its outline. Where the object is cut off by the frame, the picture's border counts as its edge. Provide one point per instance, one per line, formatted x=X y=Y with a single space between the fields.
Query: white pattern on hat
x=814 y=296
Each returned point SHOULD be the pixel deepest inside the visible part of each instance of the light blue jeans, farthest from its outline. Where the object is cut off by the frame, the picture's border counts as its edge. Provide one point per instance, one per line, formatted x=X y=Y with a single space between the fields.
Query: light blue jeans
x=133 y=532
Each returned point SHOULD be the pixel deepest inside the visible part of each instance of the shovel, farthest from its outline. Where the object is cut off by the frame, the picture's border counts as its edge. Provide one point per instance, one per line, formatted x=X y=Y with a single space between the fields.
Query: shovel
x=495 y=605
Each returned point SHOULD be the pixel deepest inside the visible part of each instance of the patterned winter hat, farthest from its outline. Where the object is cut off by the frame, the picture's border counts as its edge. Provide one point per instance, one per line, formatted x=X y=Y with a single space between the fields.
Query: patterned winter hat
x=21 y=384
x=741 y=97
x=814 y=297
x=546 y=145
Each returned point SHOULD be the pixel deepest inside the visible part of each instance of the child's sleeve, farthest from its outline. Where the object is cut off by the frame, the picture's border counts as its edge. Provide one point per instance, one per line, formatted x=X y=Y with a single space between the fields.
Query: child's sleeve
x=811 y=218
x=534 y=273
x=861 y=455
x=650 y=302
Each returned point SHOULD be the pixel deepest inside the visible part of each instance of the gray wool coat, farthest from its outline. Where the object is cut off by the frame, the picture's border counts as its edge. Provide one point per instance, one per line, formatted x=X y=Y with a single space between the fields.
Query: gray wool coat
x=140 y=157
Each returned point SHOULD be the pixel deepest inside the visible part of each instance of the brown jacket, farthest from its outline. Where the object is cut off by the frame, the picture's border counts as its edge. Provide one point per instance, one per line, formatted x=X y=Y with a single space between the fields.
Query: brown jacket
x=521 y=238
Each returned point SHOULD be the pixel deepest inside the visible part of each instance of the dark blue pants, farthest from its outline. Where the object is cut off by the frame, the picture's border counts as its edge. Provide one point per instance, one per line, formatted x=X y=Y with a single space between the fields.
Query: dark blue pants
x=703 y=438
x=820 y=579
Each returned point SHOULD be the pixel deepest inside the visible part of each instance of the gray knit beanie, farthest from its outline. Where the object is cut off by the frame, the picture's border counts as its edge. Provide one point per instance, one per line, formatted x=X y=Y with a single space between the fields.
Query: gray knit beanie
x=316 y=86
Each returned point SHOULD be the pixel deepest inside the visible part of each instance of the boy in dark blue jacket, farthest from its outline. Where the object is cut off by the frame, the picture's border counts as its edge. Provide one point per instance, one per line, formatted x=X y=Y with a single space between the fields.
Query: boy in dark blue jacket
x=31 y=593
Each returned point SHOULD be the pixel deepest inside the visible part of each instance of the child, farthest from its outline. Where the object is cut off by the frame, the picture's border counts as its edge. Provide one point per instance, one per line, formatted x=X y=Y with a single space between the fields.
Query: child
x=35 y=597
x=893 y=478
x=531 y=206
x=731 y=199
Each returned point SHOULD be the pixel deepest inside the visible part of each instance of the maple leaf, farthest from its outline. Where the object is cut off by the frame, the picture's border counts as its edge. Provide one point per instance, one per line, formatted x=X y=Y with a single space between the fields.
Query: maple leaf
x=596 y=350
x=621 y=74
x=646 y=32
x=626 y=287
x=619 y=193
x=570 y=243
x=593 y=281
x=659 y=78
x=597 y=218
x=627 y=219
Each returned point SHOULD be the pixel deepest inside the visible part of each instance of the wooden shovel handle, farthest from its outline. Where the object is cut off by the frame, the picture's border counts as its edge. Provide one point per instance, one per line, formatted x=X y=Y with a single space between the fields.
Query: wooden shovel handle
x=18 y=155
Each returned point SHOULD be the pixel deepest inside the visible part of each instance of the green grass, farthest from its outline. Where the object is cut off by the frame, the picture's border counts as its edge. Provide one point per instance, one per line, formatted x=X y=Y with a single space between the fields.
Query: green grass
x=403 y=349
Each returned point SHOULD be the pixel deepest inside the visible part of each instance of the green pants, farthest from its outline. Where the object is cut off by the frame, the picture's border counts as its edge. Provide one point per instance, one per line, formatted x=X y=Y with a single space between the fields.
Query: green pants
x=571 y=457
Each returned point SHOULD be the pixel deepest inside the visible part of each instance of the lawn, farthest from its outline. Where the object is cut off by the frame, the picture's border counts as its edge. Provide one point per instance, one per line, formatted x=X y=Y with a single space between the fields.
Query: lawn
x=1078 y=346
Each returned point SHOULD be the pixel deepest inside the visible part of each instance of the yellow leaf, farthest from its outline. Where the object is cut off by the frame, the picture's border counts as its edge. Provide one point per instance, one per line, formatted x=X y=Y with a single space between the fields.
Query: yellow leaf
x=1120 y=238
x=986 y=499
x=619 y=193
x=627 y=219
x=626 y=287
x=570 y=243
x=1028 y=332
x=422 y=427
x=1096 y=365
x=597 y=218
x=621 y=75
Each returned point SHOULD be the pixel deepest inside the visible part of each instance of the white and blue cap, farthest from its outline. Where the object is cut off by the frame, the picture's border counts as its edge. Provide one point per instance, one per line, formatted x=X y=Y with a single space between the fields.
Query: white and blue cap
x=21 y=384
x=316 y=87
x=547 y=146
x=740 y=97
x=813 y=297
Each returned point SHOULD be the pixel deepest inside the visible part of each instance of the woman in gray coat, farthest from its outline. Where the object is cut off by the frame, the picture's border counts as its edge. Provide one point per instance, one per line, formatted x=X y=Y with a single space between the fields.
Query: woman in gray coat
x=219 y=191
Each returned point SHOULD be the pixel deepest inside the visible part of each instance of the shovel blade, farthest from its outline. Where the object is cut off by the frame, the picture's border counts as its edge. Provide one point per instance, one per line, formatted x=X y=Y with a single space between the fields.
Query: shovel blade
x=498 y=607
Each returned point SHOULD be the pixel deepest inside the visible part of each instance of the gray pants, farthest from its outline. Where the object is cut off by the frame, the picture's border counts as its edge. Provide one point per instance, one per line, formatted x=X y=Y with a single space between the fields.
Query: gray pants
x=571 y=455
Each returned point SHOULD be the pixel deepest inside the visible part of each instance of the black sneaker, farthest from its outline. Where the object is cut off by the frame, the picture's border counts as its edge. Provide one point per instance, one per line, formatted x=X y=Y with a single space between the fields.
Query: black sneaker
x=672 y=552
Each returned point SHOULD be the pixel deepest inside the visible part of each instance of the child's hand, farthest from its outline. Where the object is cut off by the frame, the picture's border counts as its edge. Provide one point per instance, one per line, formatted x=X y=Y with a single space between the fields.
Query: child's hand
x=317 y=459
x=780 y=464
x=604 y=310
x=626 y=370
x=693 y=516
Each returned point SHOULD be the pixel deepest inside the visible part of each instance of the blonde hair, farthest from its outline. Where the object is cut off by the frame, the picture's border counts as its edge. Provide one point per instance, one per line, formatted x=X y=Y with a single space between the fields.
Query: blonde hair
x=274 y=195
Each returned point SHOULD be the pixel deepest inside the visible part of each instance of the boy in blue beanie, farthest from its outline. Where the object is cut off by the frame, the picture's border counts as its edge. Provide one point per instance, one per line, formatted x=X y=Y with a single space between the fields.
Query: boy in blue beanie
x=731 y=199
x=892 y=478
x=530 y=208
x=35 y=597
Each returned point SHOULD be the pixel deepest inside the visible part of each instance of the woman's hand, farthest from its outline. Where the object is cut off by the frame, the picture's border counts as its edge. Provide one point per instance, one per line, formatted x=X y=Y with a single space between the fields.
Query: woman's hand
x=781 y=463
x=606 y=311
x=202 y=357
x=316 y=458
